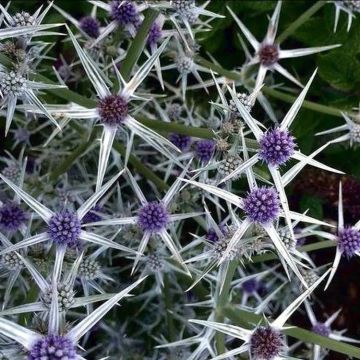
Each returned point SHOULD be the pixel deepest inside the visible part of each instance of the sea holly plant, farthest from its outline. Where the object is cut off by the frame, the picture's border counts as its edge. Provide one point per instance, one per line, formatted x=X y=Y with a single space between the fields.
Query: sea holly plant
x=137 y=146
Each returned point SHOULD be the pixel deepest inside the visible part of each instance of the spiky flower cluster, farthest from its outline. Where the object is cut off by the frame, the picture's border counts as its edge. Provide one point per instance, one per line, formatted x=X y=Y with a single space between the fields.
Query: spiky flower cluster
x=276 y=147
x=154 y=262
x=90 y=26
x=65 y=297
x=355 y=133
x=184 y=64
x=204 y=150
x=53 y=347
x=321 y=329
x=12 y=83
x=268 y=54
x=23 y=18
x=182 y=142
x=64 y=228
x=262 y=205
x=155 y=34
x=228 y=165
x=153 y=217
x=113 y=110
x=12 y=217
x=11 y=261
x=353 y=5
x=349 y=241
x=266 y=343
x=124 y=12
x=89 y=269
x=244 y=99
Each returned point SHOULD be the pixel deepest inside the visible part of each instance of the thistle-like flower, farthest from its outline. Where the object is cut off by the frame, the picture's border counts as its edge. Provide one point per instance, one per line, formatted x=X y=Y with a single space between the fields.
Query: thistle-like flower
x=350 y=7
x=268 y=52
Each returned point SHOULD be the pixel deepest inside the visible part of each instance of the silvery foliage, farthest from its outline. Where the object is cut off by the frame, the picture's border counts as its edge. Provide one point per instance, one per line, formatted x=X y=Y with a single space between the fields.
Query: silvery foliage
x=89 y=216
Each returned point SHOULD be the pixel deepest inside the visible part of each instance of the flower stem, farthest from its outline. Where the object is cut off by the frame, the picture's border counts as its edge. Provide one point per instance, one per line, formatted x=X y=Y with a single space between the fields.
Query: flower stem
x=299 y=21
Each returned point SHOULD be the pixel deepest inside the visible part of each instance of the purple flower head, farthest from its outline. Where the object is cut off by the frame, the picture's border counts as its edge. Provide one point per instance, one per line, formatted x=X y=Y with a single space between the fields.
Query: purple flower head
x=269 y=54
x=262 y=205
x=321 y=329
x=250 y=286
x=153 y=217
x=53 y=347
x=349 y=241
x=113 y=110
x=90 y=26
x=266 y=343
x=64 y=228
x=276 y=147
x=204 y=150
x=92 y=215
x=212 y=236
x=155 y=34
x=124 y=12
x=12 y=217
x=182 y=142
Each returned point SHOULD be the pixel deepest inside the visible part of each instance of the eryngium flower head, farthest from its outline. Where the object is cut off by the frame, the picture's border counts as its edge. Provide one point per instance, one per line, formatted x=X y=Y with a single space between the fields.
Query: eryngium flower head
x=153 y=217
x=90 y=26
x=124 y=12
x=250 y=286
x=321 y=329
x=89 y=269
x=53 y=347
x=113 y=110
x=12 y=217
x=276 y=147
x=23 y=19
x=12 y=172
x=244 y=99
x=266 y=343
x=268 y=54
x=262 y=205
x=174 y=111
x=183 y=5
x=155 y=34
x=11 y=261
x=64 y=228
x=184 y=64
x=353 y=5
x=204 y=150
x=349 y=241
x=65 y=297
x=12 y=84
x=92 y=215
x=355 y=133
x=182 y=142
x=228 y=165
x=155 y=263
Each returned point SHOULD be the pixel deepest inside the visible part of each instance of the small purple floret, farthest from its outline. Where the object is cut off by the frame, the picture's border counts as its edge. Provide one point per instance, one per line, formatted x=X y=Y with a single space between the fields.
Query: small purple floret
x=349 y=241
x=90 y=26
x=53 y=347
x=112 y=110
x=12 y=217
x=153 y=217
x=155 y=34
x=321 y=329
x=182 y=142
x=266 y=343
x=262 y=205
x=92 y=216
x=125 y=13
x=250 y=286
x=276 y=147
x=204 y=150
x=64 y=228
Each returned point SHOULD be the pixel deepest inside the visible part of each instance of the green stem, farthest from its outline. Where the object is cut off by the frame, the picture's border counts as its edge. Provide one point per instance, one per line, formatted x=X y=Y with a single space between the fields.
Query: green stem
x=138 y=44
x=248 y=319
x=222 y=301
x=168 y=307
x=299 y=21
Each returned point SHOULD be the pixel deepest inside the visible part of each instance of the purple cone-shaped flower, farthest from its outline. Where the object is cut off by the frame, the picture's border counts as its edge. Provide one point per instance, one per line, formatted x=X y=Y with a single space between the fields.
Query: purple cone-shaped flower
x=269 y=54
x=155 y=34
x=182 y=142
x=112 y=110
x=250 y=286
x=266 y=343
x=12 y=217
x=262 y=205
x=349 y=241
x=204 y=150
x=90 y=26
x=53 y=347
x=153 y=217
x=64 y=228
x=125 y=12
x=276 y=147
